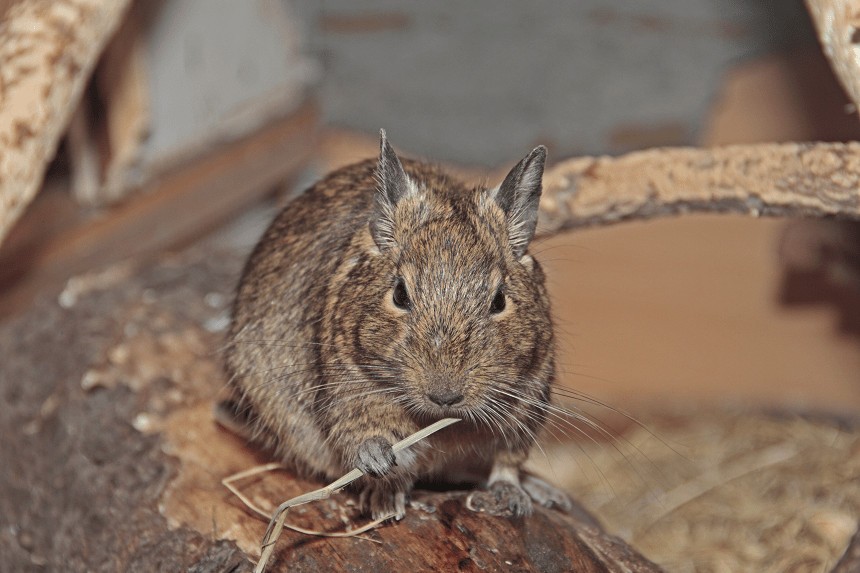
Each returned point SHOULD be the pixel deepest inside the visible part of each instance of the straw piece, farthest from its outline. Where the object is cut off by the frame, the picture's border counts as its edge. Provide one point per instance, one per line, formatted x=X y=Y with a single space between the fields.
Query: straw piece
x=276 y=525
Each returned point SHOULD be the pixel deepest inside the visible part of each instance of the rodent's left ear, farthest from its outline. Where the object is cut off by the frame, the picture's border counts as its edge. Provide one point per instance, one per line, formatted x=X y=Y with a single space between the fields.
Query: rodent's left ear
x=519 y=196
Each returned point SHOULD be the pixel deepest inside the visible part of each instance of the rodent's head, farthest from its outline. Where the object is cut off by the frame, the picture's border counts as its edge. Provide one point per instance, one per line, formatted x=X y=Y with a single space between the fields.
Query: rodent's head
x=446 y=307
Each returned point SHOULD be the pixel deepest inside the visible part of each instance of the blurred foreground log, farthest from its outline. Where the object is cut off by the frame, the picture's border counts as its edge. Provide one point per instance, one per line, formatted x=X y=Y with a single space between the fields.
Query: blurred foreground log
x=112 y=461
x=147 y=130
x=48 y=50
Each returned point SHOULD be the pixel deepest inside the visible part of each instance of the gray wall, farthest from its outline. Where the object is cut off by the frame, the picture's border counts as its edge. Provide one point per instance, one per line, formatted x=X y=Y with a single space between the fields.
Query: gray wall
x=480 y=81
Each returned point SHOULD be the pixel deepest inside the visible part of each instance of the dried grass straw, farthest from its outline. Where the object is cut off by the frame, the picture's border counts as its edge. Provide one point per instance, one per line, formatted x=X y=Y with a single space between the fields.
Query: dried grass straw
x=276 y=524
x=229 y=482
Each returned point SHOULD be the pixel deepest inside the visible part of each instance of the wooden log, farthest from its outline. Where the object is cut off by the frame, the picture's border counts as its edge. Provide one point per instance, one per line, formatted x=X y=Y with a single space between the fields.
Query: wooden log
x=792 y=179
x=112 y=461
x=48 y=50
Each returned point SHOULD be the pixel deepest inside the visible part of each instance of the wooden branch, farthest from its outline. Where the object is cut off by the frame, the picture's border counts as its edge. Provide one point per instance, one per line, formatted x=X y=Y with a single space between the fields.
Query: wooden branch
x=112 y=460
x=838 y=25
x=821 y=179
x=48 y=50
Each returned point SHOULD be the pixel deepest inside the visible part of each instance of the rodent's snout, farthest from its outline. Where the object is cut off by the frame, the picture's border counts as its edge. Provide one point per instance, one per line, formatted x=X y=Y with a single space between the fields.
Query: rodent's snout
x=444 y=388
x=445 y=397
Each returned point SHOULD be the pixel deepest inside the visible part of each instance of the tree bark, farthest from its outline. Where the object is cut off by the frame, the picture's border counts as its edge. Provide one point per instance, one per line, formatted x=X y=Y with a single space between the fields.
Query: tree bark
x=112 y=461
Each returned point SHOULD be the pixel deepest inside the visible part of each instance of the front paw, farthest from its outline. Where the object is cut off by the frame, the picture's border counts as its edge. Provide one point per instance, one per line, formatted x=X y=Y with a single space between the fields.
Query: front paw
x=375 y=457
x=503 y=498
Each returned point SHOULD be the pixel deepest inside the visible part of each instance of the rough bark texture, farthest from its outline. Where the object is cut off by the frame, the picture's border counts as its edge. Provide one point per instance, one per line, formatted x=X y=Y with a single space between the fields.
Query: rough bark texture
x=48 y=49
x=112 y=461
x=80 y=486
x=791 y=179
x=838 y=25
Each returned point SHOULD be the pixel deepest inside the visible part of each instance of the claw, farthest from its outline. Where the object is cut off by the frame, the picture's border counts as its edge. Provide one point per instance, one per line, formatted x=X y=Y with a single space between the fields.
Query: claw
x=503 y=498
x=513 y=497
x=546 y=494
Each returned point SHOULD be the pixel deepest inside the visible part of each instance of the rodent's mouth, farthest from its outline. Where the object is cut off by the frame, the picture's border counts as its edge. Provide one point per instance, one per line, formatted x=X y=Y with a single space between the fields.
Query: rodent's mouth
x=431 y=412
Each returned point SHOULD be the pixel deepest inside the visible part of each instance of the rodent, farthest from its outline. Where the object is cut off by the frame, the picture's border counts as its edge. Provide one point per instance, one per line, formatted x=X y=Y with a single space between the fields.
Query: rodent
x=385 y=297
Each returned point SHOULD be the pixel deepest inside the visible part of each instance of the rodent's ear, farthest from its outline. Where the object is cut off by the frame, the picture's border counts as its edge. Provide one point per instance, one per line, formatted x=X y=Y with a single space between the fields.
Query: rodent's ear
x=519 y=196
x=392 y=185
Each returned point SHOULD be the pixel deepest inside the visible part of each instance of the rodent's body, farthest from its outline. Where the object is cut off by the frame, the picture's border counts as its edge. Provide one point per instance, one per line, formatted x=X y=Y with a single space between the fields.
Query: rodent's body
x=383 y=298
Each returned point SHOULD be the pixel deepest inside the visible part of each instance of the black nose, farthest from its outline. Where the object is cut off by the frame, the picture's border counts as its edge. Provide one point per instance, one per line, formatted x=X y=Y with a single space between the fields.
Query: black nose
x=446 y=397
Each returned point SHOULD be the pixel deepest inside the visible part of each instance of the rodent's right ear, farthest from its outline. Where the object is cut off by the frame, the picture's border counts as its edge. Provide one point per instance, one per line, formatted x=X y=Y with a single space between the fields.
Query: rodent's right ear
x=392 y=185
x=519 y=196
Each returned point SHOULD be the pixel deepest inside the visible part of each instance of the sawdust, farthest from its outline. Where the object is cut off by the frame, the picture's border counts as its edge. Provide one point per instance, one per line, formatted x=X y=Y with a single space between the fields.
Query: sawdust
x=724 y=492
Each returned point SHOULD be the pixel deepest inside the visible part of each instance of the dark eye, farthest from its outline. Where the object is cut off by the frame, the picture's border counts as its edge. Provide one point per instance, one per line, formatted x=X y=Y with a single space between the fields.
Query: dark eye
x=400 y=296
x=498 y=304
